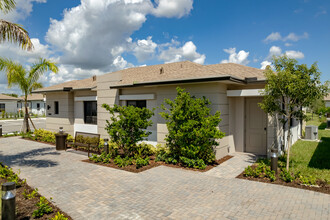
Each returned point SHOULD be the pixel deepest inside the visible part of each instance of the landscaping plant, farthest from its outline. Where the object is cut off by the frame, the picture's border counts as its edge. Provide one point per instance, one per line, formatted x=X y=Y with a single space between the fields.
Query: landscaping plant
x=43 y=208
x=192 y=130
x=127 y=126
x=26 y=79
x=290 y=87
x=59 y=216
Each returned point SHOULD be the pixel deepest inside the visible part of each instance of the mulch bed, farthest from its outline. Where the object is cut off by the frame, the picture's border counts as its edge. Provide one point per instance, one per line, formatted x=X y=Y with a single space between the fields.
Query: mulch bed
x=153 y=163
x=323 y=186
x=25 y=207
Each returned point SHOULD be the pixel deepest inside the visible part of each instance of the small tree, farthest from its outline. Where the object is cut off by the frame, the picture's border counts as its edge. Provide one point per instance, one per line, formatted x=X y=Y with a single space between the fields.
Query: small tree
x=26 y=79
x=127 y=124
x=192 y=130
x=290 y=88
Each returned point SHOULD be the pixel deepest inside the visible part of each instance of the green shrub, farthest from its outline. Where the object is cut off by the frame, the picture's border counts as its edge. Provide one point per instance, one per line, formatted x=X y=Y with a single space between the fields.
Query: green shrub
x=197 y=164
x=142 y=150
x=31 y=195
x=123 y=162
x=307 y=180
x=8 y=173
x=140 y=162
x=59 y=216
x=43 y=208
x=286 y=176
x=192 y=130
x=127 y=125
x=3 y=114
x=260 y=171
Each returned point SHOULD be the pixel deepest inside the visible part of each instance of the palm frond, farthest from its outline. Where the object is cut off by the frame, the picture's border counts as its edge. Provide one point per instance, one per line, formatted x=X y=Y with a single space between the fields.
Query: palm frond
x=35 y=85
x=40 y=67
x=7 y=5
x=15 y=33
x=15 y=73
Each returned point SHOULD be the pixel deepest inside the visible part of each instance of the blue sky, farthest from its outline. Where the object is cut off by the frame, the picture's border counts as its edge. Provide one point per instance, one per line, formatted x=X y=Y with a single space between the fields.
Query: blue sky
x=91 y=37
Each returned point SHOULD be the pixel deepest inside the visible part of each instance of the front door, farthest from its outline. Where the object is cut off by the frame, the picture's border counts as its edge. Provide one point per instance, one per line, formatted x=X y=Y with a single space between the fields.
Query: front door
x=255 y=127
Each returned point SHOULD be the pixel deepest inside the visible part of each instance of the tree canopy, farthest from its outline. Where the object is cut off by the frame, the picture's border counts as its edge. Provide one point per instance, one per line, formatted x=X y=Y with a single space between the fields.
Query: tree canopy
x=291 y=86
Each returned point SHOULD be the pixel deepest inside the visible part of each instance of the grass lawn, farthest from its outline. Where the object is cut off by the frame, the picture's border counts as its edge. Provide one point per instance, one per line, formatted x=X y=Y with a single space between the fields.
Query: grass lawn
x=313 y=158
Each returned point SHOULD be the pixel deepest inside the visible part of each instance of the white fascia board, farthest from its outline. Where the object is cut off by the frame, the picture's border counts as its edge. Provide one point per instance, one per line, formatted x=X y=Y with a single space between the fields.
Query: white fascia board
x=85 y=98
x=244 y=92
x=137 y=97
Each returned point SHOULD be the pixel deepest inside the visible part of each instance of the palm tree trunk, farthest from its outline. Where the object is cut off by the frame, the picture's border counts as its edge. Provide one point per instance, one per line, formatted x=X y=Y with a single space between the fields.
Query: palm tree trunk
x=26 y=117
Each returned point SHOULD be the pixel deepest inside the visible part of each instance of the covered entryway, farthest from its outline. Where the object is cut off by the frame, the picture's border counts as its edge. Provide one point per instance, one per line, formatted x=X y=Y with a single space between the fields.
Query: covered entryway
x=255 y=127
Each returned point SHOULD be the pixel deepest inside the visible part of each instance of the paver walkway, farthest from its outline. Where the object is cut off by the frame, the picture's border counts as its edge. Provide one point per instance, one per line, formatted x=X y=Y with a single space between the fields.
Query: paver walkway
x=89 y=191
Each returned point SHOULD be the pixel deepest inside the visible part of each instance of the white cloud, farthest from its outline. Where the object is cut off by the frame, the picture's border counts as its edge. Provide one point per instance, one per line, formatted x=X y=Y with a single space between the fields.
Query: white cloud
x=264 y=64
x=144 y=49
x=322 y=11
x=276 y=36
x=294 y=37
x=294 y=54
x=23 y=10
x=173 y=8
x=187 y=52
x=241 y=57
x=275 y=51
x=288 y=44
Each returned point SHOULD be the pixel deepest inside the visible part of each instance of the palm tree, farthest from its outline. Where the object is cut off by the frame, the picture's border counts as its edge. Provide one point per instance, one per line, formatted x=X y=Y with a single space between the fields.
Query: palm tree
x=13 y=32
x=26 y=80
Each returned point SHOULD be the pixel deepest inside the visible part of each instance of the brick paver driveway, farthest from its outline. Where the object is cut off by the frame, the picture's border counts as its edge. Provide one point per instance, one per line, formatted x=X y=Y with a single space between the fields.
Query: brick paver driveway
x=88 y=191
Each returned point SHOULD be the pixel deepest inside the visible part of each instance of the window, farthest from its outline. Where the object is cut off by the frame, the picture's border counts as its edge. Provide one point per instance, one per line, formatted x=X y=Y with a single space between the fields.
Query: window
x=137 y=103
x=2 y=107
x=38 y=106
x=90 y=112
x=56 y=108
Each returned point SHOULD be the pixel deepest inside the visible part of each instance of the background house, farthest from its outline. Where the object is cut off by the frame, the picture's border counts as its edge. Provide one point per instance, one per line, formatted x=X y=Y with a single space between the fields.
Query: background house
x=8 y=104
x=233 y=89
x=327 y=101
x=36 y=104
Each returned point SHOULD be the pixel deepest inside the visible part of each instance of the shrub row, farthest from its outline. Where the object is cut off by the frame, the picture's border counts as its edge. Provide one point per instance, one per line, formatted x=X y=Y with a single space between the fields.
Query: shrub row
x=263 y=171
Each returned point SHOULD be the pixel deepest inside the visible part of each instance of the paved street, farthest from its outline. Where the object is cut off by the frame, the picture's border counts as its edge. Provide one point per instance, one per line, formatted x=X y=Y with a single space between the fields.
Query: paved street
x=89 y=191
x=9 y=126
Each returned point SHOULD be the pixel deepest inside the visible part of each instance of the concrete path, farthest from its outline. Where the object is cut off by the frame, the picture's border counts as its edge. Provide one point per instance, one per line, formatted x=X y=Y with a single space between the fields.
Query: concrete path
x=12 y=125
x=89 y=191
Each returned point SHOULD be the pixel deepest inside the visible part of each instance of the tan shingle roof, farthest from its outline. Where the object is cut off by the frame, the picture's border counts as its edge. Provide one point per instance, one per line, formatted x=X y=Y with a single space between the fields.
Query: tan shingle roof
x=8 y=97
x=75 y=85
x=186 y=70
x=237 y=70
x=34 y=97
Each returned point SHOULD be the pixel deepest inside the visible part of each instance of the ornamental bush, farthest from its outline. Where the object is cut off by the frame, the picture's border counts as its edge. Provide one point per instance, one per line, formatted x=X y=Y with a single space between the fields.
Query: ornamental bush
x=192 y=129
x=127 y=126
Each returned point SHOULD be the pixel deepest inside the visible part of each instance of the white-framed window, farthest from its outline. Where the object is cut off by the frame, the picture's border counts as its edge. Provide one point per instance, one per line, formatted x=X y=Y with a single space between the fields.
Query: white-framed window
x=90 y=112
x=137 y=103
x=2 y=107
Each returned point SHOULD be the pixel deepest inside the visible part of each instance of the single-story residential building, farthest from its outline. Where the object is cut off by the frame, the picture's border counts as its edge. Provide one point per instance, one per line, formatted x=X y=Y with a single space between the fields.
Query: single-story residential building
x=233 y=89
x=8 y=104
x=327 y=101
x=36 y=104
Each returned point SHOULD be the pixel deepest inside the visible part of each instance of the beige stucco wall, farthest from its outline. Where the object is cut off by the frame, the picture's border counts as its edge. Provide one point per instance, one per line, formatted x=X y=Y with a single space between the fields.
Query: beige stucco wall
x=108 y=96
x=215 y=92
x=65 y=118
x=237 y=122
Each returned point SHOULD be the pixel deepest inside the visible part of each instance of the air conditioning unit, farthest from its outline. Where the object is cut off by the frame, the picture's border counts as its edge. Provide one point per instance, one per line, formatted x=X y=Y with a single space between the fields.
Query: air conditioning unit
x=311 y=132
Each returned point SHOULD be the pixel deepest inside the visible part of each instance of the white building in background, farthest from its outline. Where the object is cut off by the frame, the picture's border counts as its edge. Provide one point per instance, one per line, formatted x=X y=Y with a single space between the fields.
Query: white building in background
x=8 y=104
x=36 y=104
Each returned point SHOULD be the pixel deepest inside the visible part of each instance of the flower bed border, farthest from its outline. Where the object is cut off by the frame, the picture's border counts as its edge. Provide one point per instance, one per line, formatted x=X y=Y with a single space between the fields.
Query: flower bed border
x=25 y=207
x=323 y=187
x=153 y=163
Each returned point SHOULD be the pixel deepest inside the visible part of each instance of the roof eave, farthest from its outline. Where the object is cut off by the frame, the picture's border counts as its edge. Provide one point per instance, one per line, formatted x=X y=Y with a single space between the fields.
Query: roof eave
x=193 y=80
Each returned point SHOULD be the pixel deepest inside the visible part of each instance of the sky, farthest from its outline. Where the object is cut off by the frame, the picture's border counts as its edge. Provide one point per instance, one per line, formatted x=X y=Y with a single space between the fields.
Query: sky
x=94 y=37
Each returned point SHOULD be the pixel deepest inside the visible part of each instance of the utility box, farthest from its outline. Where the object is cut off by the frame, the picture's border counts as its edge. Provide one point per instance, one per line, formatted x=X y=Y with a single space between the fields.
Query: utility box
x=311 y=132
